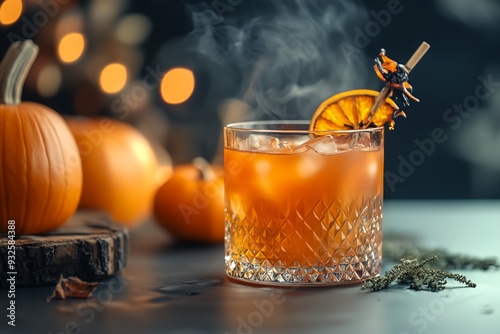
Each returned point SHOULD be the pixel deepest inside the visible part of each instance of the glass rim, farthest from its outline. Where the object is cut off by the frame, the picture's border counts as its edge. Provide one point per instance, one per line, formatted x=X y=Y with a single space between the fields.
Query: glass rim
x=244 y=127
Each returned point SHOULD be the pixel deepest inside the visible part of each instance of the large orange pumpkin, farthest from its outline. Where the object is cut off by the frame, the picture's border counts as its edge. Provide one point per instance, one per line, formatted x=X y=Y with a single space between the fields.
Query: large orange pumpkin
x=40 y=168
x=120 y=168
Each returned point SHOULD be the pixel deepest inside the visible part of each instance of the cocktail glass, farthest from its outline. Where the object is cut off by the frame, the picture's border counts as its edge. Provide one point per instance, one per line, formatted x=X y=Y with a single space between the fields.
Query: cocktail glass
x=302 y=207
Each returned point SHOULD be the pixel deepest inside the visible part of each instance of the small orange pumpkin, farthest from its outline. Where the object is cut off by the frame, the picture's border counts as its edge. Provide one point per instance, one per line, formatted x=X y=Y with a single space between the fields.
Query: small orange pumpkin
x=190 y=205
x=120 y=168
x=40 y=168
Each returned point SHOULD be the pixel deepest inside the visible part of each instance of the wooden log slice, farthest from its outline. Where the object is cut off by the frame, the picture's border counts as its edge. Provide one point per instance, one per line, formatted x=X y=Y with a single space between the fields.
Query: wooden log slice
x=88 y=246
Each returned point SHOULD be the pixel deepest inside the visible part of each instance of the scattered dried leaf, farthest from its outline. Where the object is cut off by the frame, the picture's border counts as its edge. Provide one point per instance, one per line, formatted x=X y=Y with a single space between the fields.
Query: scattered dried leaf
x=72 y=287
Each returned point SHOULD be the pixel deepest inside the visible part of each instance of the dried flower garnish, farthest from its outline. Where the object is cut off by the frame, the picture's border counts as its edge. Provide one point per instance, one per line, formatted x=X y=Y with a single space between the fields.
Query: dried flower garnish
x=417 y=274
x=72 y=287
x=395 y=77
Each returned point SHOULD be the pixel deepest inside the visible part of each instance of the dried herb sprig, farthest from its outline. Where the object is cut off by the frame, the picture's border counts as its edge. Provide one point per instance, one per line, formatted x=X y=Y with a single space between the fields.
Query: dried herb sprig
x=417 y=274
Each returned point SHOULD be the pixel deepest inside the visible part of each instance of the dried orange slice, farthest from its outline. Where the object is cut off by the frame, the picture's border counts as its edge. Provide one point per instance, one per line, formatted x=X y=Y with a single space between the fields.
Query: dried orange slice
x=350 y=110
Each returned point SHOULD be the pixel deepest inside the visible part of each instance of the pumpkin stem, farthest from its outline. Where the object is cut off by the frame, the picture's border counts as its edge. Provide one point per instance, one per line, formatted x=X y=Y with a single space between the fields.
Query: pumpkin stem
x=14 y=69
x=206 y=172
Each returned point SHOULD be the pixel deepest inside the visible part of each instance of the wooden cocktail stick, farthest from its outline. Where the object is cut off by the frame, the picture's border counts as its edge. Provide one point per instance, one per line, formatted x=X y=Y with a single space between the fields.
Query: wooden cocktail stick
x=410 y=64
x=384 y=94
x=422 y=49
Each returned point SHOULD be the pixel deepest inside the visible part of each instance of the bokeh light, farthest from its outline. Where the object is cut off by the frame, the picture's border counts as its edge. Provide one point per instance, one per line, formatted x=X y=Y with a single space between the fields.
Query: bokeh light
x=133 y=29
x=10 y=11
x=71 y=47
x=113 y=78
x=70 y=21
x=49 y=80
x=177 y=85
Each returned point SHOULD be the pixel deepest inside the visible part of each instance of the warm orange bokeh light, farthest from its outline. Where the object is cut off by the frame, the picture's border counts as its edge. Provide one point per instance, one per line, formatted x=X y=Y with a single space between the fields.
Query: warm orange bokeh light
x=10 y=11
x=71 y=47
x=177 y=85
x=113 y=78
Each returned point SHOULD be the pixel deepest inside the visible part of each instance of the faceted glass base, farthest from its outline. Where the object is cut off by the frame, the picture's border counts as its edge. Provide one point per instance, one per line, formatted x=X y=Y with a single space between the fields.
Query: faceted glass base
x=345 y=273
x=345 y=247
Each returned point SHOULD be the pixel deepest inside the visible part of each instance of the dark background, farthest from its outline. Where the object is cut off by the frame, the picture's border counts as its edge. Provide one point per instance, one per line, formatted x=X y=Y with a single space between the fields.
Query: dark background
x=223 y=42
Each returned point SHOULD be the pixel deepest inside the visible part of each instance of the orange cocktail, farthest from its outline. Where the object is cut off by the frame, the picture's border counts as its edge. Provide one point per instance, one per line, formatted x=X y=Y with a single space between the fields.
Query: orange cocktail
x=302 y=207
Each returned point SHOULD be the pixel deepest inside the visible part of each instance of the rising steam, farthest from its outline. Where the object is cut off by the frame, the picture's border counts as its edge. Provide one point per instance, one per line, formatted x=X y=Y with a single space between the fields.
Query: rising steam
x=284 y=60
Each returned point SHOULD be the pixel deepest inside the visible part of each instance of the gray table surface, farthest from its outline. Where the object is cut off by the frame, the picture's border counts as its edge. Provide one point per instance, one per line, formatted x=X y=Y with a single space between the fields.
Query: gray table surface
x=170 y=288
